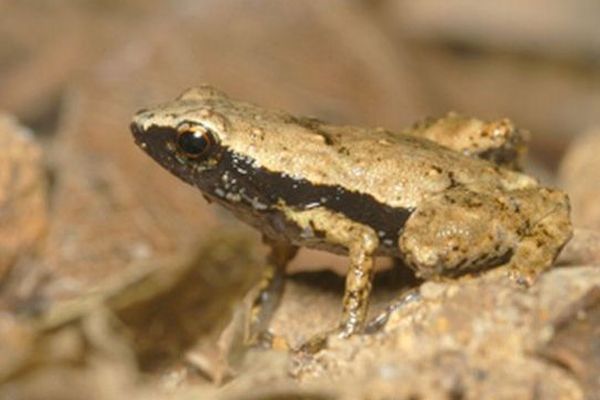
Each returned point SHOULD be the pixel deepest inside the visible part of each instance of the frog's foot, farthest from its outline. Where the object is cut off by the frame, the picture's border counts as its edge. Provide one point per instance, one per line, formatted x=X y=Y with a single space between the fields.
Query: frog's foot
x=539 y=247
x=266 y=296
x=320 y=341
x=496 y=141
x=315 y=344
x=265 y=339
x=356 y=300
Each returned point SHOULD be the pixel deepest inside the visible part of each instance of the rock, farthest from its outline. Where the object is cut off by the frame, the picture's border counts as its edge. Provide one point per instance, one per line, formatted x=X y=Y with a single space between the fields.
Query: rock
x=462 y=338
x=582 y=249
x=574 y=344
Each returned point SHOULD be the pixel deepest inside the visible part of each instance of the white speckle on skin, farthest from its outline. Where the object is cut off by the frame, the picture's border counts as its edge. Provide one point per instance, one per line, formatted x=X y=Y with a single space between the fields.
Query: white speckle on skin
x=358 y=171
x=257 y=205
x=225 y=180
x=179 y=159
x=312 y=205
x=199 y=167
x=234 y=197
x=256 y=164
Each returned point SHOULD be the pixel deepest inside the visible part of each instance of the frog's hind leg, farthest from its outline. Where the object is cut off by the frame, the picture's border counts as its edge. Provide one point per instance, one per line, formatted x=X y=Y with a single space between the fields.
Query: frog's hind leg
x=544 y=235
x=457 y=232
x=496 y=141
x=460 y=231
x=270 y=289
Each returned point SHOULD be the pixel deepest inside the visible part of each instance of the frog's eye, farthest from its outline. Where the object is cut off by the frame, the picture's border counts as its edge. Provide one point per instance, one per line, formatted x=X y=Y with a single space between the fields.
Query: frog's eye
x=195 y=141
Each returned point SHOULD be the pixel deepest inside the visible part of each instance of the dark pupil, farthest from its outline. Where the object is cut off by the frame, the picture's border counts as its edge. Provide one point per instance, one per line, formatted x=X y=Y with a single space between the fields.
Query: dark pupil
x=192 y=143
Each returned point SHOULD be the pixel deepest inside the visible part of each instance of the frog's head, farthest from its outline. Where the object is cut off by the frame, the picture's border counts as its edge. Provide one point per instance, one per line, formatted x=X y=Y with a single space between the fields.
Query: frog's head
x=183 y=135
x=203 y=138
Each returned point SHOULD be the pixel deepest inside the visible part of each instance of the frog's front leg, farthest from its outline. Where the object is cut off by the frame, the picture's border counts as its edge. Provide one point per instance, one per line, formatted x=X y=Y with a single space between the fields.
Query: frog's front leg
x=358 y=282
x=270 y=288
x=361 y=242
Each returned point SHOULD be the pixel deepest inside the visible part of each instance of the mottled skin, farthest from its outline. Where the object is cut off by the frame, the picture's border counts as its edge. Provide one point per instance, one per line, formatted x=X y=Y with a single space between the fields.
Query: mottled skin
x=365 y=192
x=497 y=141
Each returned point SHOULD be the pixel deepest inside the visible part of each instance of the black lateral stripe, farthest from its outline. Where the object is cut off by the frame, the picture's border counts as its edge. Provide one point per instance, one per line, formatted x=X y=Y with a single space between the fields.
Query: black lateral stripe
x=268 y=187
x=236 y=178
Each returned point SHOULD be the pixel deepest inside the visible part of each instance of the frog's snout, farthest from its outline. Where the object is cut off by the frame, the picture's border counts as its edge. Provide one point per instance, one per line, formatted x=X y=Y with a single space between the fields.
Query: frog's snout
x=135 y=129
x=138 y=134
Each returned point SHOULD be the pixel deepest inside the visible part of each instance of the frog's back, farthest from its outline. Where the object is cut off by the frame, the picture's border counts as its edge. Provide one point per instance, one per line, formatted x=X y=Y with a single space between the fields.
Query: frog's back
x=396 y=169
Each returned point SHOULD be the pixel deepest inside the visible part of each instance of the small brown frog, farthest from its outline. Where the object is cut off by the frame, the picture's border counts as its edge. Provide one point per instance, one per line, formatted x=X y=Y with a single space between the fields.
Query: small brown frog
x=443 y=196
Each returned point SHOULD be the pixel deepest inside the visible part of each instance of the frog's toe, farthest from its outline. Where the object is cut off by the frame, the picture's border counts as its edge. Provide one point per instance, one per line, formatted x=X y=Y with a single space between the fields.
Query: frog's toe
x=320 y=341
x=315 y=344
x=524 y=277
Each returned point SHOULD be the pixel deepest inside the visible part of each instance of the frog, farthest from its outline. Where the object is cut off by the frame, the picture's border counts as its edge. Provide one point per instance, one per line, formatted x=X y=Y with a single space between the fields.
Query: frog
x=445 y=197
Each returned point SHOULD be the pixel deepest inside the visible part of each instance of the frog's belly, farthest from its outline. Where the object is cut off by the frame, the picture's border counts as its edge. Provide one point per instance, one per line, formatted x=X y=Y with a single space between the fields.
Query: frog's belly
x=275 y=225
x=324 y=245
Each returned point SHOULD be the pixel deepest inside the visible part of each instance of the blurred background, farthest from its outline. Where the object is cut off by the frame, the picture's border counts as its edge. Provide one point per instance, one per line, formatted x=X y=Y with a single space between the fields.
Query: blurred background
x=79 y=203
x=74 y=73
